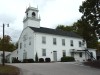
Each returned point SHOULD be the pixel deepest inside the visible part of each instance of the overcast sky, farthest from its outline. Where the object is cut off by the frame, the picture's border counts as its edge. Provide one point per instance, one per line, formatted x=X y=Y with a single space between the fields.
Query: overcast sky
x=52 y=13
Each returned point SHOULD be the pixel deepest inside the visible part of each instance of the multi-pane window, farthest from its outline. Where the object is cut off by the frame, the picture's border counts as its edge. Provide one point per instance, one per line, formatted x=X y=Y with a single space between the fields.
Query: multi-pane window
x=64 y=53
x=63 y=42
x=44 y=40
x=54 y=41
x=25 y=55
x=80 y=44
x=71 y=43
x=80 y=54
x=20 y=45
x=43 y=52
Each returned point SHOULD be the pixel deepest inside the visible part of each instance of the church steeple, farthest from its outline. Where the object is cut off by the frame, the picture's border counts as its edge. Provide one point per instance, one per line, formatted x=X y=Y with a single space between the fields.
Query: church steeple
x=32 y=19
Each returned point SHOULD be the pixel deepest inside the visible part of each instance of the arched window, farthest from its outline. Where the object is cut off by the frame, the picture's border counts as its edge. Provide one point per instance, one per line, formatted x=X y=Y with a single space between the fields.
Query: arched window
x=33 y=14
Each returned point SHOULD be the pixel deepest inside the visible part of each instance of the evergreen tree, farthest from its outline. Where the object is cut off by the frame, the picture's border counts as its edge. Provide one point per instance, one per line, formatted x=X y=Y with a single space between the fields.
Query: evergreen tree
x=36 y=57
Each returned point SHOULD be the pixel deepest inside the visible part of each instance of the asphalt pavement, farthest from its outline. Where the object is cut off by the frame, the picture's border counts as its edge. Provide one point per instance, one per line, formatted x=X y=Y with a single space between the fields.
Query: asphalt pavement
x=70 y=68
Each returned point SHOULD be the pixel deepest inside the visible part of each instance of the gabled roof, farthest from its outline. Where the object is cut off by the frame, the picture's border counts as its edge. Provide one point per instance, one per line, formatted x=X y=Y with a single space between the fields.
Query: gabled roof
x=55 y=32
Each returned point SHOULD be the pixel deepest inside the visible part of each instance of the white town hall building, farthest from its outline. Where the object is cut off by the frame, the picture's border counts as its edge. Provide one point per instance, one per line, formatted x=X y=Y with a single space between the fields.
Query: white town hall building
x=49 y=43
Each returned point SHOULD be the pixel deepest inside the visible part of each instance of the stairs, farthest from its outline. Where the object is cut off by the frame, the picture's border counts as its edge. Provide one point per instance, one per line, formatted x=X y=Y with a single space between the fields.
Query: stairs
x=90 y=55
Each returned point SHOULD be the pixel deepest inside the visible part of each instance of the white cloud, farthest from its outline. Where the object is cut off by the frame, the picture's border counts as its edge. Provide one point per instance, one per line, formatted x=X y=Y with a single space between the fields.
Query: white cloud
x=52 y=12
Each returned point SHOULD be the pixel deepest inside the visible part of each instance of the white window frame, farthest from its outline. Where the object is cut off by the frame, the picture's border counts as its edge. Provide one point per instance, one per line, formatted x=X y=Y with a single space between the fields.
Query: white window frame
x=54 y=41
x=43 y=39
x=71 y=43
x=43 y=52
x=80 y=44
x=63 y=42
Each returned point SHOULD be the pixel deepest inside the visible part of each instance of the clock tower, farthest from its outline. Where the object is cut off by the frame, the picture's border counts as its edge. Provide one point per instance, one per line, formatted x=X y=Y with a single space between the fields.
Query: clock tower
x=31 y=19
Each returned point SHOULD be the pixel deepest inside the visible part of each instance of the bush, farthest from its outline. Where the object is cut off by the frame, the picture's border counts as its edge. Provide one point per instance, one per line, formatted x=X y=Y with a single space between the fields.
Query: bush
x=41 y=60
x=15 y=60
x=47 y=60
x=28 y=60
x=67 y=59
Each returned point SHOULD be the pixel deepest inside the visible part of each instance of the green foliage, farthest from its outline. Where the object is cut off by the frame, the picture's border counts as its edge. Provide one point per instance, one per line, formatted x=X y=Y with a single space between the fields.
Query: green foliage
x=36 y=57
x=41 y=60
x=91 y=18
x=47 y=60
x=67 y=59
x=85 y=30
x=98 y=46
x=8 y=46
x=15 y=60
x=65 y=28
x=28 y=60
x=89 y=24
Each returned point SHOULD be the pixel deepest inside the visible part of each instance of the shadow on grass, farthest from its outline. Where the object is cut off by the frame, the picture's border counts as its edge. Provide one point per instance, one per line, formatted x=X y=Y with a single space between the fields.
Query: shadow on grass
x=95 y=64
x=9 y=70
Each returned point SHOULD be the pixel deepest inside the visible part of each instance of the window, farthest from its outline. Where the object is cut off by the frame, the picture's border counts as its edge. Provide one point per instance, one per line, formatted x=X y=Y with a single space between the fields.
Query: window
x=43 y=52
x=64 y=53
x=24 y=45
x=44 y=40
x=17 y=52
x=80 y=44
x=20 y=45
x=80 y=54
x=29 y=40
x=25 y=55
x=63 y=42
x=33 y=14
x=71 y=43
x=54 y=41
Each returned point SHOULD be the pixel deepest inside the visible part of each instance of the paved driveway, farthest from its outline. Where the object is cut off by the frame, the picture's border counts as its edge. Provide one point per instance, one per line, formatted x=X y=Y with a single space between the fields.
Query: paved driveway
x=56 y=69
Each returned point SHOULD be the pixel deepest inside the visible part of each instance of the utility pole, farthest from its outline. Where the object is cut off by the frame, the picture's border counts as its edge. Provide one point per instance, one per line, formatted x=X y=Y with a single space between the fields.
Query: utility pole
x=3 y=45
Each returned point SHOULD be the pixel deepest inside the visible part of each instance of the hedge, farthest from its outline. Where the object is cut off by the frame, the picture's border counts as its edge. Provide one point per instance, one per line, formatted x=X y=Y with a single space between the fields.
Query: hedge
x=67 y=59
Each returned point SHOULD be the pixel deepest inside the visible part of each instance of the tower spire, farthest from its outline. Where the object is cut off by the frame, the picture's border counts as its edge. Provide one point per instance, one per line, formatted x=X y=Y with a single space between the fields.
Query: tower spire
x=32 y=19
x=29 y=5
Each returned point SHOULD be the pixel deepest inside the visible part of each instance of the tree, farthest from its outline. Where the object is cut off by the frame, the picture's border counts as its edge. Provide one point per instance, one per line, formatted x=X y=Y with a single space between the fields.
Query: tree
x=91 y=13
x=65 y=28
x=36 y=57
x=91 y=18
x=8 y=46
x=84 y=29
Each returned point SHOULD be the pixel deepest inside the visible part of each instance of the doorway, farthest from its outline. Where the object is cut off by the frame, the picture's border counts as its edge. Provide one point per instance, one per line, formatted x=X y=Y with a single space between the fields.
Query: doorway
x=55 y=55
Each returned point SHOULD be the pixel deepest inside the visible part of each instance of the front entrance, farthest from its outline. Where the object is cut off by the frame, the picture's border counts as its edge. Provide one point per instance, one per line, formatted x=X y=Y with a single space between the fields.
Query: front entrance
x=55 y=55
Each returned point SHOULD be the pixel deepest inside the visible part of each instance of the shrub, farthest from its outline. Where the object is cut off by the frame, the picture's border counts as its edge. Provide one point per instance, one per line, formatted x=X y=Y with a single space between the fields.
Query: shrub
x=47 y=60
x=15 y=60
x=67 y=59
x=36 y=57
x=28 y=60
x=41 y=60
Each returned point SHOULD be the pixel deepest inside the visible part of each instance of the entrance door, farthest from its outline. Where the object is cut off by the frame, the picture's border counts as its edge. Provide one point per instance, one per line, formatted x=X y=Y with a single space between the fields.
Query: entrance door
x=55 y=55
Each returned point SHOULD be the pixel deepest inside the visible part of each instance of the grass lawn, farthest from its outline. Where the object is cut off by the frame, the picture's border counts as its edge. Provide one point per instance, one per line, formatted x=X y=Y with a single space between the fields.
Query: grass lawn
x=8 y=70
